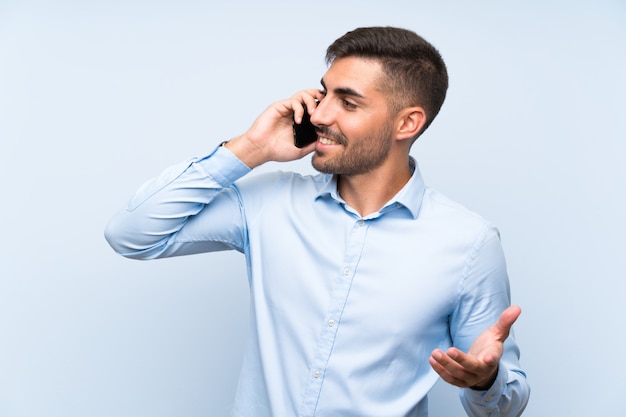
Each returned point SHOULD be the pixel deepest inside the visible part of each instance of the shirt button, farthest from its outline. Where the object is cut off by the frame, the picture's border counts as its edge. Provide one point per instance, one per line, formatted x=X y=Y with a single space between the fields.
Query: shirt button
x=331 y=322
x=346 y=271
x=360 y=222
x=316 y=374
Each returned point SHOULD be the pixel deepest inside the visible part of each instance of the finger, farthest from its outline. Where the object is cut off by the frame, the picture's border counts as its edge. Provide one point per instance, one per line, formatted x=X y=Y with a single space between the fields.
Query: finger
x=461 y=369
x=305 y=99
x=464 y=360
x=450 y=371
x=476 y=364
x=298 y=111
x=445 y=362
x=314 y=93
x=317 y=97
x=443 y=373
x=505 y=322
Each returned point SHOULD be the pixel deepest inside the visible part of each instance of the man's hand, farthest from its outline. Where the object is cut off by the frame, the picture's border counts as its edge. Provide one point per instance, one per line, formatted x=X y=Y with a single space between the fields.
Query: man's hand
x=270 y=138
x=477 y=368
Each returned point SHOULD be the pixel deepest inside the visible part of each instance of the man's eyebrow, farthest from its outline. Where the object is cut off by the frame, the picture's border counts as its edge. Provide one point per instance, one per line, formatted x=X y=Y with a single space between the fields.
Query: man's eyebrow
x=346 y=91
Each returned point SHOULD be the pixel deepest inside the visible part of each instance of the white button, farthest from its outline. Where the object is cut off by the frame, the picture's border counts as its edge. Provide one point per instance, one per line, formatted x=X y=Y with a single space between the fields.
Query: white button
x=360 y=222
x=331 y=322
x=346 y=271
x=316 y=374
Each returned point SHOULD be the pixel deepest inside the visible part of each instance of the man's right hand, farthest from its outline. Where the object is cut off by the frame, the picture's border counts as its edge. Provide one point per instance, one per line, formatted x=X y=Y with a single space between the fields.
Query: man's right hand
x=270 y=138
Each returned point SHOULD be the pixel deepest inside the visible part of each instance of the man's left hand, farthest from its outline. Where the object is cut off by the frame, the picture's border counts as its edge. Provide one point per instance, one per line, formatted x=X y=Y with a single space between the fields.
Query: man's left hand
x=478 y=367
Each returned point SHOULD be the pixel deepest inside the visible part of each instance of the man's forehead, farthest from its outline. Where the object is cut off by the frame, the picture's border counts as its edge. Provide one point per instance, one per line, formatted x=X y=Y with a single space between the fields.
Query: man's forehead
x=353 y=76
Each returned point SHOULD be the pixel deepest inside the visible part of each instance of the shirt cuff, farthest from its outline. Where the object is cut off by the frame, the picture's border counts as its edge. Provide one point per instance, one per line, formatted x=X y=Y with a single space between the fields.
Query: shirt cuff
x=223 y=166
x=490 y=397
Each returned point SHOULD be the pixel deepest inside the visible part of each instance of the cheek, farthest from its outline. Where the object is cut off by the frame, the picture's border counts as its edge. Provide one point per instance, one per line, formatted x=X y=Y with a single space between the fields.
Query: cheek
x=357 y=127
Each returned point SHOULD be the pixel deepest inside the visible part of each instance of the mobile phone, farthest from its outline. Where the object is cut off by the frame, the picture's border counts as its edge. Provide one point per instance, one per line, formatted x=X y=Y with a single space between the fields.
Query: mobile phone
x=304 y=133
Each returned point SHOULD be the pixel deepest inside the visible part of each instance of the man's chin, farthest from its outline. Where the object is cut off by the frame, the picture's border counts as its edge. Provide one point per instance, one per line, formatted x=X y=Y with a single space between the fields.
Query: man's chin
x=320 y=165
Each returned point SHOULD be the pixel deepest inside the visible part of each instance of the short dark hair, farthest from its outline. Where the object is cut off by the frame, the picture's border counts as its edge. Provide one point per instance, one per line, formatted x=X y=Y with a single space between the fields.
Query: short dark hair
x=415 y=72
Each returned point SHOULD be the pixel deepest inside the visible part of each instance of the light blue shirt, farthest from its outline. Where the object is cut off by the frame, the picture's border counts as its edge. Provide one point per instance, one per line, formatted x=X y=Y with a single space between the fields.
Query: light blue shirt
x=345 y=310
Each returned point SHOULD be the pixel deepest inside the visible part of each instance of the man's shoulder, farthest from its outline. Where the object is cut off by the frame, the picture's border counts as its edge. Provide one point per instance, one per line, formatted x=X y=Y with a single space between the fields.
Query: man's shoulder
x=282 y=181
x=438 y=206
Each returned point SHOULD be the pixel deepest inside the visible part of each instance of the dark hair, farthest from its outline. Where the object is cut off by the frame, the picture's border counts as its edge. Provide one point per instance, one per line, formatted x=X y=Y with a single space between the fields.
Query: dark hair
x=415 y=72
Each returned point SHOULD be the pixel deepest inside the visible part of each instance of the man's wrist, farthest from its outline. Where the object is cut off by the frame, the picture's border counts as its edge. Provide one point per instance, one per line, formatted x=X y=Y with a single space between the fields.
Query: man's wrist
x=249 y=155
x=486 y=385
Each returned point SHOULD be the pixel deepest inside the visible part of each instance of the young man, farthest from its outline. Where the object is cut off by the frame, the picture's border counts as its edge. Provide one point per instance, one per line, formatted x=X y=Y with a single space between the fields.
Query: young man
x=362 y=279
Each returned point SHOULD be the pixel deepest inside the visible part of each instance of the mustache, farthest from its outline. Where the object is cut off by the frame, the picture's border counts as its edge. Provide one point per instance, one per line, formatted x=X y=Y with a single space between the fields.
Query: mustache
x=329 y=133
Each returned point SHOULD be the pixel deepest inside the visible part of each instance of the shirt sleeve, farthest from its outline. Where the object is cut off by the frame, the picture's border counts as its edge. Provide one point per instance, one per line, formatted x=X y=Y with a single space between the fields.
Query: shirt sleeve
x=191 y=207
x=483 y=296
x=507 y=396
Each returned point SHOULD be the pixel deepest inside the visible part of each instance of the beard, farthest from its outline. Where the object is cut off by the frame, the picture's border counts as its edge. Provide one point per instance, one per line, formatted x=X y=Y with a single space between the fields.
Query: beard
x=359 y=156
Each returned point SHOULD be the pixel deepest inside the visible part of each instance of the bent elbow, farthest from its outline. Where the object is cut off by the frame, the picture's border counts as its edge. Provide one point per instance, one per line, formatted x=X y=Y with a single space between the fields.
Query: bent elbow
x=128 y=243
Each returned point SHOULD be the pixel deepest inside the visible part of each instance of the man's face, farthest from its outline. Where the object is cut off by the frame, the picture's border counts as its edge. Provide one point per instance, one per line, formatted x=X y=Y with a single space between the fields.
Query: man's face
x=353 y=121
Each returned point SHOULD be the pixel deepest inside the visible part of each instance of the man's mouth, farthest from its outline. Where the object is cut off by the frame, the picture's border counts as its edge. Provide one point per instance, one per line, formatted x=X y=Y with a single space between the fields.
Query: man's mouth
x=325 y=136
x=326 y=141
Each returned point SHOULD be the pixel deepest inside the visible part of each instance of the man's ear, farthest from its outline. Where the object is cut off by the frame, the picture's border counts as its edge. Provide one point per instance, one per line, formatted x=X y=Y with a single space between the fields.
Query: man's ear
x=409 y=122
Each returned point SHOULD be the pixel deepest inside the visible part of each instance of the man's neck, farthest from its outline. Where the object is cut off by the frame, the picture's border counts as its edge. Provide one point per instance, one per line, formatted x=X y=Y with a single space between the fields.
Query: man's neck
x=368 y=193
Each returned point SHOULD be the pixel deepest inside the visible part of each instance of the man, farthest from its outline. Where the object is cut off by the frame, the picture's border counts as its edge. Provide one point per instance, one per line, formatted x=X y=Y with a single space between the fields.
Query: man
x=362 y=279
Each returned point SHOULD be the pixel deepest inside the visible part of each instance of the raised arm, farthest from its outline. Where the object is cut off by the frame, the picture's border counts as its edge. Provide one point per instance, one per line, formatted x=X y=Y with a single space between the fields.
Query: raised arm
x=193 y=207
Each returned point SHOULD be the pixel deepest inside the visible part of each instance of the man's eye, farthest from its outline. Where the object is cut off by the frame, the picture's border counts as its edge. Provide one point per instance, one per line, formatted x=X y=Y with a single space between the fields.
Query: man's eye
x=349 y=104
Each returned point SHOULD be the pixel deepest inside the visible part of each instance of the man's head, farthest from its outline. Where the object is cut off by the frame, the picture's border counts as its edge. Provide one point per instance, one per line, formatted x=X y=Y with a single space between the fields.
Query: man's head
x=414 y=72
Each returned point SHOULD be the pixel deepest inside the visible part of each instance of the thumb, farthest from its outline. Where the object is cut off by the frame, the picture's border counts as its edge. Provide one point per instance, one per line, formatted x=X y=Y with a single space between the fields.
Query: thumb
x=505 y=322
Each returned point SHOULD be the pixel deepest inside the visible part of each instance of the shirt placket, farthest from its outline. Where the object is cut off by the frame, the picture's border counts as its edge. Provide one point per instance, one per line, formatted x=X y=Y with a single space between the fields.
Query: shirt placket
x=326 y=341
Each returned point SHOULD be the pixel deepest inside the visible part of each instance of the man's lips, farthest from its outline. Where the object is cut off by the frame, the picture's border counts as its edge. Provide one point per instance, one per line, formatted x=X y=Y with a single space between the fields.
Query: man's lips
x=326 y=141
x=327 y=137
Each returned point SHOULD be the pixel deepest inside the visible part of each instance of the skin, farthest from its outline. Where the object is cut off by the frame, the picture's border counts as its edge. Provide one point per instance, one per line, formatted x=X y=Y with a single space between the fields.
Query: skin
x=368 y=147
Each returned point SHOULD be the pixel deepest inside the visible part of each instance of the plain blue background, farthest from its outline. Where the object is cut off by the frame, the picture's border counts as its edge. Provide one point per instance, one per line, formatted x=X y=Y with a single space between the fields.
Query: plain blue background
x=97 y=97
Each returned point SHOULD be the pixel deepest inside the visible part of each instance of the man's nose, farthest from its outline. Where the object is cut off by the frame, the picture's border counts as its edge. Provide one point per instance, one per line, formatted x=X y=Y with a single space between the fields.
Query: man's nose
x=321 y=116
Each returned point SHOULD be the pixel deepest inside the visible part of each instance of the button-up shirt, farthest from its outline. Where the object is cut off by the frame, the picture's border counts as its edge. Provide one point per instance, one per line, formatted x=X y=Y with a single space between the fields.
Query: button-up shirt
x=345 y=309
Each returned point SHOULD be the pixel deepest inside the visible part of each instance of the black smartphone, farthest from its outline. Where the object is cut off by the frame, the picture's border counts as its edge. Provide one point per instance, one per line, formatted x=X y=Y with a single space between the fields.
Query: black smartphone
x=304 y=133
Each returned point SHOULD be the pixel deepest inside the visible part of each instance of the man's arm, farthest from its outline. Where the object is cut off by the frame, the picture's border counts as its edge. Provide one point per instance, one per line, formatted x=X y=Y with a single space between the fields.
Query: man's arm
x=485 y=359
x=192 y=207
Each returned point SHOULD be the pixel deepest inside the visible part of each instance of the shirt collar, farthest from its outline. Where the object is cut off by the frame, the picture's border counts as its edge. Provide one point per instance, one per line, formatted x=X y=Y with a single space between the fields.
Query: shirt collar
x=409 y=197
